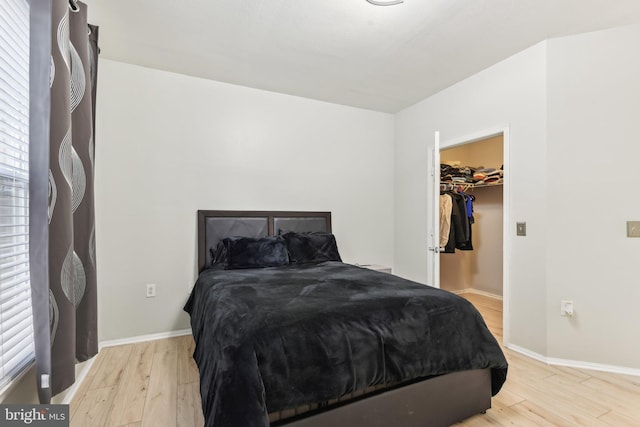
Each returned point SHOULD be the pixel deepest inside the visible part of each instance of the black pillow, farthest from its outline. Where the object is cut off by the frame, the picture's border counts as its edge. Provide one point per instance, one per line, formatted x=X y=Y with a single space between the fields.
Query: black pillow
x=311 y=247
x=219 y=254
x=249 y=252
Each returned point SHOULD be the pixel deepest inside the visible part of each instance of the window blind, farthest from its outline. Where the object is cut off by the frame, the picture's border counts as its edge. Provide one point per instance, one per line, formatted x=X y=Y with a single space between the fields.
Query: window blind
x=16 y=325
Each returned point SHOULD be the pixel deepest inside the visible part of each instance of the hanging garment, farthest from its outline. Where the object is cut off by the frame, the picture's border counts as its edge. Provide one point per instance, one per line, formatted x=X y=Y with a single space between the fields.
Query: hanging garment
x=446 y=205
x=458 y=232
x=460 y=228
x=470 y=199
x=466 y=202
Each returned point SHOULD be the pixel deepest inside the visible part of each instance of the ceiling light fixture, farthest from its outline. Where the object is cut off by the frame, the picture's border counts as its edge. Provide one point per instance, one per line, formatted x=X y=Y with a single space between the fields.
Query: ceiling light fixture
x=385 y=3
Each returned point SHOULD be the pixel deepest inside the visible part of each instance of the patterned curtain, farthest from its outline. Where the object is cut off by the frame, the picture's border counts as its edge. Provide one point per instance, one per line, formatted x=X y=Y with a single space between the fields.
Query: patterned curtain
x=72 y=302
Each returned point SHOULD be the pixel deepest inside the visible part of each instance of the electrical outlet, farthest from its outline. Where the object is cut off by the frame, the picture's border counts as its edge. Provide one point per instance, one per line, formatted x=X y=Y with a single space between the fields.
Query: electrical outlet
x=151 y=290
x=566 y=308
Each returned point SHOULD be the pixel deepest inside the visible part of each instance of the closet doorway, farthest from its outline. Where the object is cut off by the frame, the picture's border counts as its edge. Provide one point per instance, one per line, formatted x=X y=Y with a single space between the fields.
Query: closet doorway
x=479 y=269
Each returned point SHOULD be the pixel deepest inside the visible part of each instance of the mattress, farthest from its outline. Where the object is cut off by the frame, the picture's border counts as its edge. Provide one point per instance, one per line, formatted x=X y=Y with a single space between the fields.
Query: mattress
x=271 y=339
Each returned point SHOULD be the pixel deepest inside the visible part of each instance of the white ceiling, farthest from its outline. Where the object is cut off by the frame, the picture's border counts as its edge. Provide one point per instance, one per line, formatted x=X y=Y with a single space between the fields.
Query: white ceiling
x=342 y=51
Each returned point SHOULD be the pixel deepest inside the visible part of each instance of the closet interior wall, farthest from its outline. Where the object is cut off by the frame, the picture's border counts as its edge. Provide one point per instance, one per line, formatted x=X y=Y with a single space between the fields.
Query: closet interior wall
x=481 y=268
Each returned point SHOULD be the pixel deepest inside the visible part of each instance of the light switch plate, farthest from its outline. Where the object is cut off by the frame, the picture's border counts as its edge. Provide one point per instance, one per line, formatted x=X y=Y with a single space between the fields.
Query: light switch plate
x=521 y=228
x=633 y=228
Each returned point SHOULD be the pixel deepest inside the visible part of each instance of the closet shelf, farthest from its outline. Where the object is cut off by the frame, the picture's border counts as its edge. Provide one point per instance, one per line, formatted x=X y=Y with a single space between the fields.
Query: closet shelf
x=464 y=186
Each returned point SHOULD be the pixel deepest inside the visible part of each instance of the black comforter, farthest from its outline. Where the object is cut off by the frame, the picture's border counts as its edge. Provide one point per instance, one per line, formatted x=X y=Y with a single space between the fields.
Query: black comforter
x=275 y=338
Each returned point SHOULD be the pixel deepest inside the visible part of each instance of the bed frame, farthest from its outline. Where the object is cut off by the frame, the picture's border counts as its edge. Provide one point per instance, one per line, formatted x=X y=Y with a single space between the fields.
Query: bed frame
x=433 y=402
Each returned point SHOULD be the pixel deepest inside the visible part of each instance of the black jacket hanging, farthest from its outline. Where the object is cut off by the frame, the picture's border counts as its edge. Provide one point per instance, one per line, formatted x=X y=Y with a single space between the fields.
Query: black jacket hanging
x=460 y=232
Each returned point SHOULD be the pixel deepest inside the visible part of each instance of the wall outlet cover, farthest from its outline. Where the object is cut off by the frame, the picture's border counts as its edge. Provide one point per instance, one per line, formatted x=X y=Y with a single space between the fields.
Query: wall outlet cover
x=633 y=228
x=151 y=290
x=566 y=308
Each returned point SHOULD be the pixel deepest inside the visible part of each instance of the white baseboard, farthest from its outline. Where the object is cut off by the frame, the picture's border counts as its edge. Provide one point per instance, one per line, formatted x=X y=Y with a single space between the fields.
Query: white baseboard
x=528 y=353
x=578 y=364
x=477 y=292
x=594 y=366
x=142 y=338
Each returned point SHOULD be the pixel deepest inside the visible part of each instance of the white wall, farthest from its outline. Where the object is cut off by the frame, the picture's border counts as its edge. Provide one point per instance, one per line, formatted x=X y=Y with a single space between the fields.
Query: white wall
x=572 y=106
x=513 y=93
x=168 y=145
x=593 y=152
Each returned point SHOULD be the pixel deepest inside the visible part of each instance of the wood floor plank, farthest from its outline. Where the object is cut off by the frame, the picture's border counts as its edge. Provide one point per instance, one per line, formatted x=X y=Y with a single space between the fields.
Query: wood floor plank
x=613 y=384
x=531 y=367
x=564 y=402
x=189 y=412
x=136 y=390
x=541 y=415
x=620 y=401
x=508 y=398
x=197 y=406
x=93 y=408
x=615 y=419
x=500 y=413
x=577 y=375
x=112 y=366
x=169 y=344
x=484 y=302
x=102 y=354
x=480 y=420
x=131 y=390
x=161 y=399
x=629 y=382
x=185 y=408
x=187 y=368
x=114 y=415
x=83 y=388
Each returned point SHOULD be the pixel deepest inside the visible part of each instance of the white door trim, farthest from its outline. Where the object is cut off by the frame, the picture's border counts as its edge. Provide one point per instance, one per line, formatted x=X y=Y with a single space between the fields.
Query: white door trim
x=433 y=254
x=506 y=212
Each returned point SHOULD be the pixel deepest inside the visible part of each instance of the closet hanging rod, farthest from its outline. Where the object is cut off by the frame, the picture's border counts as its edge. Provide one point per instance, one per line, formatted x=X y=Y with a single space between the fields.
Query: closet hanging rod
x=446 y=186
x=464 y=186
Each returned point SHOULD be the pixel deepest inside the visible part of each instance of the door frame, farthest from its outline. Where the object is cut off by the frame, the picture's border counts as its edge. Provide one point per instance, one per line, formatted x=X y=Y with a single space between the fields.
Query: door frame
x=503 y=130
x=433 y=246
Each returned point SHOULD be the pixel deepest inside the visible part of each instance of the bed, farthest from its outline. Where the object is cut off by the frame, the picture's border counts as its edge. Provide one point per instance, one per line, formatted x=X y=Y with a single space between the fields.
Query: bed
x=310 y=344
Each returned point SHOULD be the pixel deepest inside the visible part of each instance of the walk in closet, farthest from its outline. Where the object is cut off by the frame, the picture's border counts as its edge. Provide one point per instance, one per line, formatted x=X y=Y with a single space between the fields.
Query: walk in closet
x=478 y=265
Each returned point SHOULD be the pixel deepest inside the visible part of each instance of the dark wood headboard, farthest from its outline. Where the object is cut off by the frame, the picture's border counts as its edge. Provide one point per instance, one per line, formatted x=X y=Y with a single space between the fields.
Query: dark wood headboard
x=213 y=226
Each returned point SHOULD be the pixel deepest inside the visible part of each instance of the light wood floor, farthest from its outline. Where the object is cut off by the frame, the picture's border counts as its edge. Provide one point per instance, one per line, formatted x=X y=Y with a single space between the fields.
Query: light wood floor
x=152 y=383
x=156 y=384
